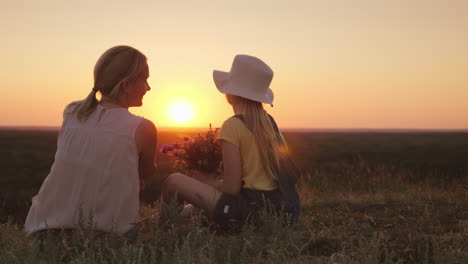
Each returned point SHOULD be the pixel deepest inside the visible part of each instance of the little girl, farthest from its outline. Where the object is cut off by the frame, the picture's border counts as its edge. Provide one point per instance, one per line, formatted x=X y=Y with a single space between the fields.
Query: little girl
x=255 y=176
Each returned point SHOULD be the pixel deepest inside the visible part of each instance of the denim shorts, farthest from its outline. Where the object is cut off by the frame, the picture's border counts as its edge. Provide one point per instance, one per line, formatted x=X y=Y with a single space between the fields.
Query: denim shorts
x=232 y=212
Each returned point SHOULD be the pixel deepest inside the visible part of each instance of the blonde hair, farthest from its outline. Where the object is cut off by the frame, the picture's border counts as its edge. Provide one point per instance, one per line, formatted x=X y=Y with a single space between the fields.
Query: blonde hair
x=258 y=121
x=117 y=66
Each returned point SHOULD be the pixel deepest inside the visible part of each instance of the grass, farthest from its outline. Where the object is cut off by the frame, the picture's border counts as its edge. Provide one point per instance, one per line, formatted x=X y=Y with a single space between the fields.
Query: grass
x=371 y=199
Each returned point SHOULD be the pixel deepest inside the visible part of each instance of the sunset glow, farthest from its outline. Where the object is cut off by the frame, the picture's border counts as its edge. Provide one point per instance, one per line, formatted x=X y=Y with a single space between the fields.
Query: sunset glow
x=181 y=113
x=337 y=64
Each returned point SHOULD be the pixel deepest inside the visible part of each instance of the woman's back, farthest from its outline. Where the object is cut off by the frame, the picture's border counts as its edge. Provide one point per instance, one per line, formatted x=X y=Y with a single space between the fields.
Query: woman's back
x=95 y=174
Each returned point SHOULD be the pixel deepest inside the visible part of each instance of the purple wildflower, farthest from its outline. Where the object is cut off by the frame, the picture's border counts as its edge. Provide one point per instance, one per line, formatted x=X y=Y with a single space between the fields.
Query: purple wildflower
x=164 y=149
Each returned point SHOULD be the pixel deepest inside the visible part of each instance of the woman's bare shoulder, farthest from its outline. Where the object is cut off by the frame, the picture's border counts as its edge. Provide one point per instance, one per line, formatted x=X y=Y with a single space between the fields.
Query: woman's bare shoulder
x=146 y=128
x=146 y=134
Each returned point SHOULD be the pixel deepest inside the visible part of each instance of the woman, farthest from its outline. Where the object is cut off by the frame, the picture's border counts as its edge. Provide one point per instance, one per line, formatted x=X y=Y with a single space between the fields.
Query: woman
x=251 y=154
x=102 y=152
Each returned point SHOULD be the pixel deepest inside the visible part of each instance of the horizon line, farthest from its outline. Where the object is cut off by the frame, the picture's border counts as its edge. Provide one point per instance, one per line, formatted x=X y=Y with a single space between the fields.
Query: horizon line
x=287 y=129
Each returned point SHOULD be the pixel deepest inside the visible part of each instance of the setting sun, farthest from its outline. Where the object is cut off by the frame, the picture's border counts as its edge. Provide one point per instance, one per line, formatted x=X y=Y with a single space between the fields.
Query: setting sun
x=180 y=112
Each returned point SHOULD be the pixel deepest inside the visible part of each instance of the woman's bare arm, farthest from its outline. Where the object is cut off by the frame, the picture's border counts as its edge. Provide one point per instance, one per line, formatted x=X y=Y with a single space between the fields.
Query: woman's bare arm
x=146 y=140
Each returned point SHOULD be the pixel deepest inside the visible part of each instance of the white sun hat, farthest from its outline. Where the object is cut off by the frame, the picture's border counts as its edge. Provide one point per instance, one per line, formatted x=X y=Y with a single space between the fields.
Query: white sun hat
x=249 y=77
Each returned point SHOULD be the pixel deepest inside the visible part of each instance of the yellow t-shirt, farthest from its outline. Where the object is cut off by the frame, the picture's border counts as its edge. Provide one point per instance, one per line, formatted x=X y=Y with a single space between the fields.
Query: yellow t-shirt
x=254 y=174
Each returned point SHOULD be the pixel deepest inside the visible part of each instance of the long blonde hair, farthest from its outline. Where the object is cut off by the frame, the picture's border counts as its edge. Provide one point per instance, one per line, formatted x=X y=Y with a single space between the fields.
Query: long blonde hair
x=257 y=120
x=116 y=67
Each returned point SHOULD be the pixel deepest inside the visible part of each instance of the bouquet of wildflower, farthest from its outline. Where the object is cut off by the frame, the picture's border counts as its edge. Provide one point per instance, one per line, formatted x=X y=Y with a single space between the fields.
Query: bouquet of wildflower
x=201 y=153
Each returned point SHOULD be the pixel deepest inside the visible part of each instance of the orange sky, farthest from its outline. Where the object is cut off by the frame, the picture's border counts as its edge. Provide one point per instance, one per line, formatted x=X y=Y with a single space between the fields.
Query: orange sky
x=337 y=64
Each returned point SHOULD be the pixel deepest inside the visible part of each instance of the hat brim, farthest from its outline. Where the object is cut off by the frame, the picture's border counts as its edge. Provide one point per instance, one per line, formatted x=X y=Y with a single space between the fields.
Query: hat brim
x=221 y=79
x=225 y=86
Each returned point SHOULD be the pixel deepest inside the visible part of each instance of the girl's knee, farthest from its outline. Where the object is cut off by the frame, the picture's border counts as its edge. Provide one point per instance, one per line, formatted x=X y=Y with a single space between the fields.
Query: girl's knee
x=172 y=181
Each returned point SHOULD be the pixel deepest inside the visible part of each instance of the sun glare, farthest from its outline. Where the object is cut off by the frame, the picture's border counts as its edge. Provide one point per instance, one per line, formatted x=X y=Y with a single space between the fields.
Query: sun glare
x=180 y=113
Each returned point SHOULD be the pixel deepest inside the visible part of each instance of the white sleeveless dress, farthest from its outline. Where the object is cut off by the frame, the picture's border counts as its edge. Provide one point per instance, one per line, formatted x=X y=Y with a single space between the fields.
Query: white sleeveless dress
x=95 y=174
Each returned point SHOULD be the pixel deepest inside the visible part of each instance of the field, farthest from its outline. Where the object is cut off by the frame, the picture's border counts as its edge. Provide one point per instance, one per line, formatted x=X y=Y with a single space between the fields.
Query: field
x=369 y=197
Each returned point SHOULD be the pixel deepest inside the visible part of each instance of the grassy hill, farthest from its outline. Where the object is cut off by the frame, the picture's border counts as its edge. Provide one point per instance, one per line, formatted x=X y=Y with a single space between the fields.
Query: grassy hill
x=366 y=198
